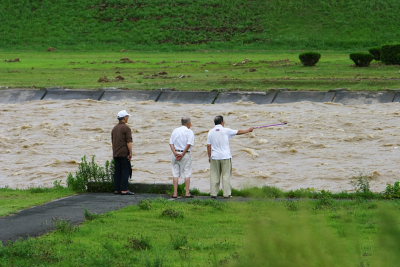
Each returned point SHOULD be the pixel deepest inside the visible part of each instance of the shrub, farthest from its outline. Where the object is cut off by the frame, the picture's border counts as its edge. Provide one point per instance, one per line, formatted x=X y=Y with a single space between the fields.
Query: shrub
x=309 y=58
x=390 y=54
x=392 y=191
x=361 y=183
x=361 y=59
x=90 y=172
x=375 y=52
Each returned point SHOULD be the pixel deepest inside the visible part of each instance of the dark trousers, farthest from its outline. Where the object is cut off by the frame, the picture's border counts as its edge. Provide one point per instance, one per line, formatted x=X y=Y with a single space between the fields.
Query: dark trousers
x=122 y=170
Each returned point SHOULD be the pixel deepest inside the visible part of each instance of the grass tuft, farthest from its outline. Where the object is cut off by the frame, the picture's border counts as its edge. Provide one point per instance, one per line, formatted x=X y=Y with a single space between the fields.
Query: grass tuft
x=141 y=243
x=172 y=213
x=145 y=204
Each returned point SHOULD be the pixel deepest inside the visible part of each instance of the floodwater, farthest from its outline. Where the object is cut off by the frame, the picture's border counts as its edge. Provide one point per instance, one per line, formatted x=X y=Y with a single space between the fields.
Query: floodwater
x=323 y=146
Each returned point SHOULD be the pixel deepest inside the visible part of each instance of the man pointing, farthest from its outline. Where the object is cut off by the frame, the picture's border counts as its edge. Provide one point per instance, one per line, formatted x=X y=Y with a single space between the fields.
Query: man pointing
x=220 y=157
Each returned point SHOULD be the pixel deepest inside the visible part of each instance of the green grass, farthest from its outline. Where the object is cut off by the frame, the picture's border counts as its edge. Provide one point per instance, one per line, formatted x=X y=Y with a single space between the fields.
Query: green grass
x=12 y=200
x=267 y=233
x=201 y=70
x=186 y=24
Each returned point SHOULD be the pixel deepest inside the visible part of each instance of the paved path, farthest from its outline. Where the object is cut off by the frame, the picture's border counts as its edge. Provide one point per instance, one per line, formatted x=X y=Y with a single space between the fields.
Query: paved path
x=40 y=219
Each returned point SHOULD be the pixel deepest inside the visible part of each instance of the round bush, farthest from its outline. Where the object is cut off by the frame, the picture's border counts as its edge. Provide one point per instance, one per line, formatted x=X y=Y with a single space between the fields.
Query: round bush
x=361 y=59
x=309 y=58
x=375 y=52
x=390 y=54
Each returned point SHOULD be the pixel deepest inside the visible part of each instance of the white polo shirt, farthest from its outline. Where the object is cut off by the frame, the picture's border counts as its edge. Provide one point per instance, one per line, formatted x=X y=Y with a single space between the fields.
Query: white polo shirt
x=181 y=137
x=218 y=138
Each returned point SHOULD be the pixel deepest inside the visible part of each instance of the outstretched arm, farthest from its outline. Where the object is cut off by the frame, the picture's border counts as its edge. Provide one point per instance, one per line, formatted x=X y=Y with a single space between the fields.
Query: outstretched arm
x=245 y=131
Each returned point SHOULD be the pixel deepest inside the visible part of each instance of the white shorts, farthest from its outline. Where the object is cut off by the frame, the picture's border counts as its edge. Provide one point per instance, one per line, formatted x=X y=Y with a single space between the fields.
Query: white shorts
x=182 y=168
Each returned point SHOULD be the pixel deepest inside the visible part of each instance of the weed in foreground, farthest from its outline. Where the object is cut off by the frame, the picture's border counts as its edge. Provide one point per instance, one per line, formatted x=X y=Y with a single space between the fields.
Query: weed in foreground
x=171 y=213
x=32 y=249
x=283 y=241
x=89 y=216
x=141 y=243
x=388 y=248
x=145 y=204
x=179 y=241
x=158 y=261
x=292 y=205
x=64 y=226
x=325 y=202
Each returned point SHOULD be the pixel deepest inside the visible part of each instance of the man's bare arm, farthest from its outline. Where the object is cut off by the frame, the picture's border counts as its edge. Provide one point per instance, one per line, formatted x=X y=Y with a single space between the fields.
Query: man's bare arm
x=245 y=131
x=130 y=146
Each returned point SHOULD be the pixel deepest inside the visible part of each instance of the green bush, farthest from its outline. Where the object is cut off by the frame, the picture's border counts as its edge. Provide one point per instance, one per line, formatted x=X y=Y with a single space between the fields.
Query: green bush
x=361 y=59
x=392 y=191
x=90 y=172
x=375 y=52
x=309 y=58
x=390 y=54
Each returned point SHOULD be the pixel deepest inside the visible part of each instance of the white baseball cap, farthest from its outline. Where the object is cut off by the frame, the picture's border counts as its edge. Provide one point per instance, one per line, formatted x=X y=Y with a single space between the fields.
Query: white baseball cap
x=123 y=114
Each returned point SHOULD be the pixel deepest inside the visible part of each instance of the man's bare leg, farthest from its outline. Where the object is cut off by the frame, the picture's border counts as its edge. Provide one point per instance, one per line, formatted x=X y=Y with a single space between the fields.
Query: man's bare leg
x=175 y=181
x=187 y=183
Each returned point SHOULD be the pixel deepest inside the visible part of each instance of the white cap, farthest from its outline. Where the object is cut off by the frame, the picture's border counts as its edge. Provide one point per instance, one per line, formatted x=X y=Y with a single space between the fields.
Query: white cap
x=123 y=114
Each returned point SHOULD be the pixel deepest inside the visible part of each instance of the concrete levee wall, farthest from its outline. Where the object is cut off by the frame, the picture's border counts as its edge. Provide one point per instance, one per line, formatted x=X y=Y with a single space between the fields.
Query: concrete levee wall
x=201 y=97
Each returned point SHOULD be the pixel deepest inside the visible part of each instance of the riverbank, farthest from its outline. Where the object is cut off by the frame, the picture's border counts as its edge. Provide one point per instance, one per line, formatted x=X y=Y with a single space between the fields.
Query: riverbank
x=205 y=70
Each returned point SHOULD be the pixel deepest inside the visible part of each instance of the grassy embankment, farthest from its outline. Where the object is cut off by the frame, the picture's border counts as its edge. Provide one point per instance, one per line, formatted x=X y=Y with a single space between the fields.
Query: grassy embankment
x=272 y=29
x=187 y=24
x=12 y=200
x=201 y=70
x=212 y=233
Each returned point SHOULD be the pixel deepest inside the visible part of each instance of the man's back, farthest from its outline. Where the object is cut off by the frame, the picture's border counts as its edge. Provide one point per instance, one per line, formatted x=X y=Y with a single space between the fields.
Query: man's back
x=218 y=138
x=182 y=136
x=121 y=135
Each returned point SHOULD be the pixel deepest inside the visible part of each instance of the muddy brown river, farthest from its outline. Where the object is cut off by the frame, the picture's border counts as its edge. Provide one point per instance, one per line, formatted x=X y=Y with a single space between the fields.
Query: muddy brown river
x=323 y=146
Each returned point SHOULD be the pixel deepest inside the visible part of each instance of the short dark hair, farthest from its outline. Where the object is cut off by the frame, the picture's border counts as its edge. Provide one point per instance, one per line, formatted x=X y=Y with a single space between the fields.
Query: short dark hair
x=185 y=120
x=218 y=119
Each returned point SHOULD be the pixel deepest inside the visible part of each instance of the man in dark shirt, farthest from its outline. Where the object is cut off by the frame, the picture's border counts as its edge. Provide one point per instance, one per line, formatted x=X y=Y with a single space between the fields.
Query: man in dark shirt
x=121 y=138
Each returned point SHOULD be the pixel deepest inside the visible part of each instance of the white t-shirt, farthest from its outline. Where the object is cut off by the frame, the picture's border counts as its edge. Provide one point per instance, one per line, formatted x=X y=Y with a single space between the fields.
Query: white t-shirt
x=181 y=137
x=218 y=138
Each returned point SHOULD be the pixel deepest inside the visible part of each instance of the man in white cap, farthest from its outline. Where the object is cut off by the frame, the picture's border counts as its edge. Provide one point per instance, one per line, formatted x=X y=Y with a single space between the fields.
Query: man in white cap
x=220 y=157
x=181 y=141
x=121 y=138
